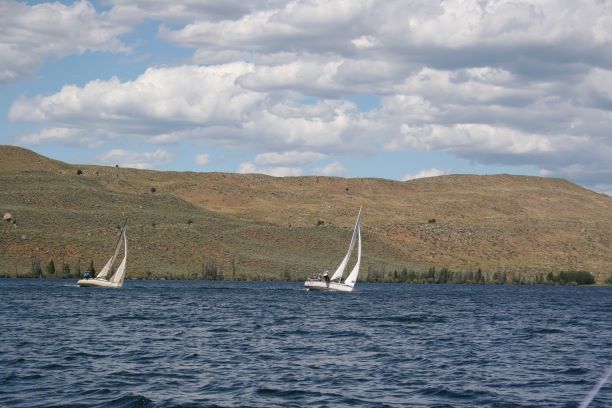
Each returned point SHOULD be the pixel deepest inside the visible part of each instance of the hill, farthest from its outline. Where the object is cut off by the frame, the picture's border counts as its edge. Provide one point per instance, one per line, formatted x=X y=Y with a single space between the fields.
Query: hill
x=252 y=226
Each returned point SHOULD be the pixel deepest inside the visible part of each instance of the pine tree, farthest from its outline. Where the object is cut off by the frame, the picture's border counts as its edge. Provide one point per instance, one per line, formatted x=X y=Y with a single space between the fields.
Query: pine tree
x=50 y=269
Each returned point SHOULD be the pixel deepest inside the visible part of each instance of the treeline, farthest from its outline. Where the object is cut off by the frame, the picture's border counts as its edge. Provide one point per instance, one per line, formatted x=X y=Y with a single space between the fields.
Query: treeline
x=213 y=270
x=49 y=269
x=445 y=275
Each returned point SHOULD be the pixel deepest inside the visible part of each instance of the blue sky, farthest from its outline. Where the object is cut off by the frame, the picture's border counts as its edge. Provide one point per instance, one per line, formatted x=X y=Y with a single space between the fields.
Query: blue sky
x=377 y=88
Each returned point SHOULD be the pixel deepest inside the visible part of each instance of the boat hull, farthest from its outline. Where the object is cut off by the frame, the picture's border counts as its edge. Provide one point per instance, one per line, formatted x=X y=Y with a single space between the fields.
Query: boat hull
x=331 y=287
x=98 y=283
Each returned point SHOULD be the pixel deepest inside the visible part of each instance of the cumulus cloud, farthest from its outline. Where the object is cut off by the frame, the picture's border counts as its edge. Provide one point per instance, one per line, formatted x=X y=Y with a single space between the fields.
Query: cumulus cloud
x=494 y=82
x=474 y=138
x=169 y=105
x=603 y=189
x=288 y=158
x=66 y=136
x=433 y=172
x=332 y=169
x=136 y=160
x=29 y=34
x=276 y=171
x=185 y=10
x=172 y=98
x=476 y=33
x=315 y=25
x=202 y=159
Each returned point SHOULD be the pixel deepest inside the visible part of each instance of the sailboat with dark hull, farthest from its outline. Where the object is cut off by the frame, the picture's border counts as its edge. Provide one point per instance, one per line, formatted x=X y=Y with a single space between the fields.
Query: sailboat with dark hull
x=107 y=278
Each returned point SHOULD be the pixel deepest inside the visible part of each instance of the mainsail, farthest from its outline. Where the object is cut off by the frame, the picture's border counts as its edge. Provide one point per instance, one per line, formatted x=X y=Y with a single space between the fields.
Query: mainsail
x=108 y=277
x=356 y=232
x=352 y=278
x=107 y=268
x=120 y=272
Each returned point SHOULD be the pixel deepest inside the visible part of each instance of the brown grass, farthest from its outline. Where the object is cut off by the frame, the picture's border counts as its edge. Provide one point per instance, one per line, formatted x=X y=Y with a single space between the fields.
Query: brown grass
x=266 y=226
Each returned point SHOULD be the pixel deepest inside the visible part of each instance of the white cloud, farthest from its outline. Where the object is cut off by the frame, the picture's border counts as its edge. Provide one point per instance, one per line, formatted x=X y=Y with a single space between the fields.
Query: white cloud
x=276 y=171
x=304 y=25
x=30 y=34
x=495 y=82
x=202 y=159
x=288 y=158
x=332 y=169
x=603 y=189
x=172 y=98
x=433 y=172
x=185 y=10
x=66 y=136
x=137 y=160
x=473 y=138
x=364 y=42
x=169 y=105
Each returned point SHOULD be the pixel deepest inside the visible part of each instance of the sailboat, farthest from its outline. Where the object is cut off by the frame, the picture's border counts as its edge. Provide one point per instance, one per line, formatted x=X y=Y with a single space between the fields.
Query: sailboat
x=335 y=283
x=107 y=279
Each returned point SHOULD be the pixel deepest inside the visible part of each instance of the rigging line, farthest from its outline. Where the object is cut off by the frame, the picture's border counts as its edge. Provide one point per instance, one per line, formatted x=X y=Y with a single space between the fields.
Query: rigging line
x=585 y=403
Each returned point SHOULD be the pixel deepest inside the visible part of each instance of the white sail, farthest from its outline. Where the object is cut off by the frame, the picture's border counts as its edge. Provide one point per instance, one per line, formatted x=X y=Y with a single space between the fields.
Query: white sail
x=352 y=278
x=115 y=280
x=104 y=272
x=120 y=273
x=340 y=271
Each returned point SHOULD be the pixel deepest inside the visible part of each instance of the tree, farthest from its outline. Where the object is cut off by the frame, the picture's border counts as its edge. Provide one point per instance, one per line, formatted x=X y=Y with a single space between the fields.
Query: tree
x=577 y=277
x=210 y=271
x=36 y=269
x=50 y=269
x=479 y=278
x=92 y=270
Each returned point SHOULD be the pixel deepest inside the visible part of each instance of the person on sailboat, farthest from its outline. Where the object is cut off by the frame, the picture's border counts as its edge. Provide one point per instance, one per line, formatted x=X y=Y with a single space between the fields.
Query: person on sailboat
x=326 y=277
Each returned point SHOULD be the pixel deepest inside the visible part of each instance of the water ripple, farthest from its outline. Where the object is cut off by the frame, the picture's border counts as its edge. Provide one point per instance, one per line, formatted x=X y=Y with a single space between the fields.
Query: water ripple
x=167 y=344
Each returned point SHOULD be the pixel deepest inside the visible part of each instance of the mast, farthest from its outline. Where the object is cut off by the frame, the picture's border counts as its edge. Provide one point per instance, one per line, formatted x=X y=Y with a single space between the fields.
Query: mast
x=120 y=273
x=342 y=267
x=352 y=278
x=104 y=272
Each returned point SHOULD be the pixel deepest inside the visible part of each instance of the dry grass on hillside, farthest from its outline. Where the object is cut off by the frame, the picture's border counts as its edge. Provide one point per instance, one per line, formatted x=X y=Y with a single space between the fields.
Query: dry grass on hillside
x=256 y=226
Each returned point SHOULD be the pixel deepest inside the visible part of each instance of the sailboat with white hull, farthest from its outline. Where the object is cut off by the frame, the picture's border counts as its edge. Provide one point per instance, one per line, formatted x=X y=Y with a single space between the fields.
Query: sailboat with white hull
x=335 y=282
x=107 y=279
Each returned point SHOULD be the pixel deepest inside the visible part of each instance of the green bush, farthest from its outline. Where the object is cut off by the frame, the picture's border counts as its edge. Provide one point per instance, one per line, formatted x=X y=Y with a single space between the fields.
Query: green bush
x=50 y=269
x=577 y=277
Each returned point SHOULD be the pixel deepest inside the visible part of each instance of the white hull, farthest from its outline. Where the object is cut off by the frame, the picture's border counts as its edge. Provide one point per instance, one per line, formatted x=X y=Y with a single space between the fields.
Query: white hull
x=114 y=279
x=98 y=283
x=335 y=283
x=332 y=287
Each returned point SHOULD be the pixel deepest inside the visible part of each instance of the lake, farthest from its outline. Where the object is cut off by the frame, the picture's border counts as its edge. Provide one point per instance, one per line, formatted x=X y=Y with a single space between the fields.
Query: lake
x=201 y=343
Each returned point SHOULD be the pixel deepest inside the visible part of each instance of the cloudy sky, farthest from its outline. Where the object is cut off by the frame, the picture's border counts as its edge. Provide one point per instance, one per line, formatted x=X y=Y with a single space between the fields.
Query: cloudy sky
x=353 y=88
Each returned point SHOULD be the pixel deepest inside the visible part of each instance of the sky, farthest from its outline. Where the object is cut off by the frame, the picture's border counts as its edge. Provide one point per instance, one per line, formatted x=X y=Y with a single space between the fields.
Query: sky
x=396 y=89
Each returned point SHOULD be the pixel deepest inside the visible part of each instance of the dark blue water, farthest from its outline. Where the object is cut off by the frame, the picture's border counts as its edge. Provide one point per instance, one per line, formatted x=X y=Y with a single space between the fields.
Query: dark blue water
x=273 y=344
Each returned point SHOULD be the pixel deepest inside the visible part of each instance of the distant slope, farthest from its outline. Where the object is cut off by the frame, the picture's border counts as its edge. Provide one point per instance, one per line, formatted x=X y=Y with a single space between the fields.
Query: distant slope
x=261 y=227
x=14 y=159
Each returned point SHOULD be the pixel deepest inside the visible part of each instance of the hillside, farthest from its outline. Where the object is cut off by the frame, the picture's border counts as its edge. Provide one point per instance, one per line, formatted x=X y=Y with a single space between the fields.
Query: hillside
x=261 y=227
